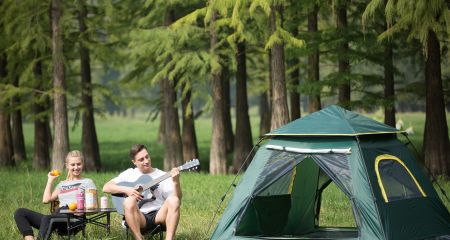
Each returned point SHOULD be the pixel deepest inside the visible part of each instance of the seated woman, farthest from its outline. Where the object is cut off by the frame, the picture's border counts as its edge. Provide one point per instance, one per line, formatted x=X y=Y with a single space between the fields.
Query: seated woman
x=65 y=192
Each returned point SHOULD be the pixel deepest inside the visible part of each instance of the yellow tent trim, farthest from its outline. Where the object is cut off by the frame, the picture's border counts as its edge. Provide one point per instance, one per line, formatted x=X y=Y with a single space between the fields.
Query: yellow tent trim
x=380 y=182
x=291 y=184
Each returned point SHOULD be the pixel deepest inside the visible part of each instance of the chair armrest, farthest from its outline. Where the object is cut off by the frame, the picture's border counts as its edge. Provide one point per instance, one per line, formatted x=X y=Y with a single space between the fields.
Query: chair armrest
x=54 y=205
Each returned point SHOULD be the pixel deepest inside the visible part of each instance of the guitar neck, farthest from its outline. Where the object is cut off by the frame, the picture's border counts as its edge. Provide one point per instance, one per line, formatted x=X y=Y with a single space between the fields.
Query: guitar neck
x=156 y=181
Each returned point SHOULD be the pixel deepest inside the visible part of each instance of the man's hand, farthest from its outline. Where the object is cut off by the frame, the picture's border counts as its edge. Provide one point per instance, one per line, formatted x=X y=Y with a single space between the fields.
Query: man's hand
x=131 y=192
x=175 y=172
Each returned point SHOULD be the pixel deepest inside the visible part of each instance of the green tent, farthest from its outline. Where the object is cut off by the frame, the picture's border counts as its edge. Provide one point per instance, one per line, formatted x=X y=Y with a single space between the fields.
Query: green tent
x=279 y=196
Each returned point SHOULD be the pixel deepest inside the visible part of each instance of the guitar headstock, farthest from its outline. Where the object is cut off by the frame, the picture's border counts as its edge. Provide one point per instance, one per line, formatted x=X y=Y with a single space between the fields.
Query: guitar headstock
x=190 y=165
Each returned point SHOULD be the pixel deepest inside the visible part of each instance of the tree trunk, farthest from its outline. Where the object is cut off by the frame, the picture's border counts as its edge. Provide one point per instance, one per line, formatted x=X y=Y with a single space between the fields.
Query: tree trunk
x=42 y=137
x=294 y=94
x=265 y=99
x=61 y=138
x=217 y=154
x=229 y=138
x=280 y=112
x=314 y=103
x=436 y=140
x=242 y=144
x=89 y=142
x=189 y=138
x=264 y=114
x=162 y=118
x=6 y=147
x=16 y=128
x=344 y=64
x=173 y=154
x=389 y=90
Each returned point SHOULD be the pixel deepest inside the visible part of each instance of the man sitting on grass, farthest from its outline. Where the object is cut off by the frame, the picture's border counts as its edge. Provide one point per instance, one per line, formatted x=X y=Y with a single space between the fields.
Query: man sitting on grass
x=163 y=209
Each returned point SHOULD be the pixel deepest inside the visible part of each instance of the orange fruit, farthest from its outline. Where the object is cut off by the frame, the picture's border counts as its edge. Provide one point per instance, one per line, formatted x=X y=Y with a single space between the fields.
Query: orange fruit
x=56 y=172
x=73 y=206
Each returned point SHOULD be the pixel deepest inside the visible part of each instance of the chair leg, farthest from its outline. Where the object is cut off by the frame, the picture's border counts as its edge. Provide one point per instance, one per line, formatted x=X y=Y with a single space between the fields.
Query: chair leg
x=83 y=231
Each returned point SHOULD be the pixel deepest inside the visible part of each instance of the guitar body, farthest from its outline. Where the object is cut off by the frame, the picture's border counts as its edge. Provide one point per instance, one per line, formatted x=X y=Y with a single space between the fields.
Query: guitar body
x=117 y=199
x=146 y=185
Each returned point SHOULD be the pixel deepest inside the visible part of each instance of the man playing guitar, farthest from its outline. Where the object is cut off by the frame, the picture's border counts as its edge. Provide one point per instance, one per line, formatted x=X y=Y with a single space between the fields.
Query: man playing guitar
x=163 y=207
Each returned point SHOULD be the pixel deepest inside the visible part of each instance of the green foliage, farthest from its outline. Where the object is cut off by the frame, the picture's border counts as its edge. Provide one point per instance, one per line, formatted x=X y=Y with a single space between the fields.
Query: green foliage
x=416 y=18
x=281 y=36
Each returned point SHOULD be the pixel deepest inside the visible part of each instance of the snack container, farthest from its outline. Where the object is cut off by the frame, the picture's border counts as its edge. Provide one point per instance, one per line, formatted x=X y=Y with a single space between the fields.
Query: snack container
x=91 y=199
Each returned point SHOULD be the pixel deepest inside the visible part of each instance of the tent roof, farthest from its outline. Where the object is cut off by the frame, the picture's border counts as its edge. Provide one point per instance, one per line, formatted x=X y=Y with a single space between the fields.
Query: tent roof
x=333 y=121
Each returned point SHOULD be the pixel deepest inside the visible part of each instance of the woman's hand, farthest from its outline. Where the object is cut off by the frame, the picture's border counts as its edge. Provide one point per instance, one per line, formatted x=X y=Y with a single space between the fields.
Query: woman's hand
x=51 y=177
x=48 y=196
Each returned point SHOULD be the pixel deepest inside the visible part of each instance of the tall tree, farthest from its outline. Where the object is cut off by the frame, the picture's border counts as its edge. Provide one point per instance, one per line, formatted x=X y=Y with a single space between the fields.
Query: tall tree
x=293 y=61
x=16 y=126
x=89 y=141
x=294 y=94
x=344 y=63
x=173 y=154
x=162 y=117
x=265 y=102
x=226 y=75
x=389 y=85
x=436 y=139
x=217 y=154
x=61 y=128
x=314 y=103
x=264 y=113
x=242 y=144
x=280 y=113
x=6 y=148
x=42 y=133
x=425 y=21
x=189 y=138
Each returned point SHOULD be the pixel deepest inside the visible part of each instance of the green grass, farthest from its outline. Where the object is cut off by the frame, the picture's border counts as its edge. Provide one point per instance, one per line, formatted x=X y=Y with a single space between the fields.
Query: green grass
x=201 y=194
x=23 y=186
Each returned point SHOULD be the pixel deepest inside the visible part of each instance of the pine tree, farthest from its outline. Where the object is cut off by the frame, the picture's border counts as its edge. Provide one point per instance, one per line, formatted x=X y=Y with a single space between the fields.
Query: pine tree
x=426 y=21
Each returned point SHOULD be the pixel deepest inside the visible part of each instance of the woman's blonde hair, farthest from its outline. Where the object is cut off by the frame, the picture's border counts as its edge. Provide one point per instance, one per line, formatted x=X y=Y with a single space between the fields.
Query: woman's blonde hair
x=73 y=154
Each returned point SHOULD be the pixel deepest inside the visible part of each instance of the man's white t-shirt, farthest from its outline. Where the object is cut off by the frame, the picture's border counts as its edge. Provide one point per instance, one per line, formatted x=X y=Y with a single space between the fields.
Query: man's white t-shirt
x=164 y=190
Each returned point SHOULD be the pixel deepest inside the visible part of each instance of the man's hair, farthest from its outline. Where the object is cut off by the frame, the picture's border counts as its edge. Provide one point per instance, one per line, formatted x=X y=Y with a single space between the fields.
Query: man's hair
x=135 y=149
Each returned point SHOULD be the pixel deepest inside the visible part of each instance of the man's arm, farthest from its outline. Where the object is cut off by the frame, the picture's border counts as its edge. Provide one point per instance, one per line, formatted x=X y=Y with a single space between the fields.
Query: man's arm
x=113 y=188
x=176 y=183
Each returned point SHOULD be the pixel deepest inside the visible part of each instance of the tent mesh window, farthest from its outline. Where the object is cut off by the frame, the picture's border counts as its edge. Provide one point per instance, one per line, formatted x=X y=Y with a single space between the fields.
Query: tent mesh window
x=286 y=197
x=395 y=180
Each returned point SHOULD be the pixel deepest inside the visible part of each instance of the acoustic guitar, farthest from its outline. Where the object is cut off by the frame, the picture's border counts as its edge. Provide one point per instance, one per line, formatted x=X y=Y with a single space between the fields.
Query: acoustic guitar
x=146 y=185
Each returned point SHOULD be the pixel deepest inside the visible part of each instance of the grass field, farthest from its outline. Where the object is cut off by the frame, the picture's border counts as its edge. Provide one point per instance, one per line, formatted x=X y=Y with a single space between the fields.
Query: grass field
x=23 y=186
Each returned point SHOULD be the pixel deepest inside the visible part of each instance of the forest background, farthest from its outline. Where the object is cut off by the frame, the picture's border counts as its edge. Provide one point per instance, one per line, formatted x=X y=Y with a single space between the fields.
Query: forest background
x=68 y=63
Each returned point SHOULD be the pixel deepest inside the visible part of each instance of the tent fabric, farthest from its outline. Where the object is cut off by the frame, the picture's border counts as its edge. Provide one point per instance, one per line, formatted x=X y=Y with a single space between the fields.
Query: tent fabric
x=333 y=121
x=279 y=195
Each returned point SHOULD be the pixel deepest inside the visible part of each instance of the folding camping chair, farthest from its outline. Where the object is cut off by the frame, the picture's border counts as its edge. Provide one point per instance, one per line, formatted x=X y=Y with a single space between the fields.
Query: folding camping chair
x=77 y=224
x=158 y=230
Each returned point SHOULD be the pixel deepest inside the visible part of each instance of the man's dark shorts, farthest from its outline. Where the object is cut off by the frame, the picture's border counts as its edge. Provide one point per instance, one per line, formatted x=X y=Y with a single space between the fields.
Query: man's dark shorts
x=150 y=222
